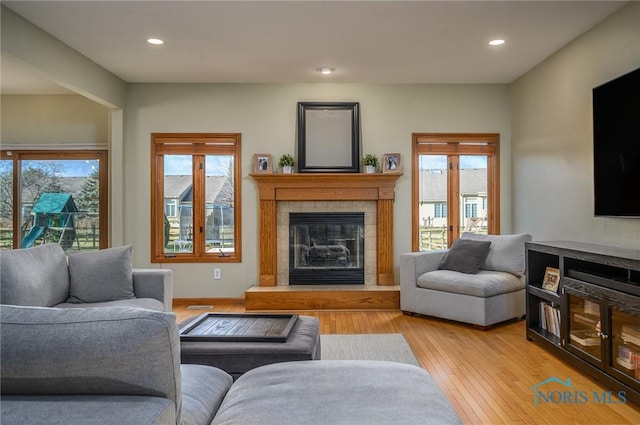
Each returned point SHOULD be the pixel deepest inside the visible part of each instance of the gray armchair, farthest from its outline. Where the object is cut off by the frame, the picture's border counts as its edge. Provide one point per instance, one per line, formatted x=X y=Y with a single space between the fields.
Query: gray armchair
x=494 y=294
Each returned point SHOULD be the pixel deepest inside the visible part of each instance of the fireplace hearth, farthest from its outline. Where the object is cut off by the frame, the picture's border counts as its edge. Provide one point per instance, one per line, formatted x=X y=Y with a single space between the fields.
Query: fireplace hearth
x=326 y=248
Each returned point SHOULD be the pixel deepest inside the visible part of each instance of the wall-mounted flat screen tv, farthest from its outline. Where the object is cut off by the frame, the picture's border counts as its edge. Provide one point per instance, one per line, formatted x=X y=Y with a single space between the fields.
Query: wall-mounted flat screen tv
x=616 y=146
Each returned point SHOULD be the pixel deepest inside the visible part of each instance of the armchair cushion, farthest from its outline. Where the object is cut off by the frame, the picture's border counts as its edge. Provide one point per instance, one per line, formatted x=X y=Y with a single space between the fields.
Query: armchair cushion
x=506 y=253
x=484 y=284
x=104 y=275
x=465 y=256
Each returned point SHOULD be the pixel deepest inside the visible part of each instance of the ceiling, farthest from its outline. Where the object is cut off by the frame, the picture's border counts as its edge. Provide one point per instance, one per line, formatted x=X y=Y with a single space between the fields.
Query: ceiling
x=287 y=41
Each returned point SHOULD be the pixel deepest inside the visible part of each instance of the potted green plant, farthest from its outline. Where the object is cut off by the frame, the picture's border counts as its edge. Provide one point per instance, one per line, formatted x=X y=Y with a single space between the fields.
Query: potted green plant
x=287 y=162
x=370 y=162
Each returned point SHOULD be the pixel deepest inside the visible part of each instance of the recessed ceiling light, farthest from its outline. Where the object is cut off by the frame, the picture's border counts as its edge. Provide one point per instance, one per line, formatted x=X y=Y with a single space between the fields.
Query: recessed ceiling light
x=326 y=71
x=155 y=41
x=497 y=42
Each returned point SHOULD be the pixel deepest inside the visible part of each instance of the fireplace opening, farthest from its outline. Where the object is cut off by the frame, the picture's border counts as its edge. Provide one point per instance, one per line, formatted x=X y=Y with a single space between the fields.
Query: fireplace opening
x=326 y=248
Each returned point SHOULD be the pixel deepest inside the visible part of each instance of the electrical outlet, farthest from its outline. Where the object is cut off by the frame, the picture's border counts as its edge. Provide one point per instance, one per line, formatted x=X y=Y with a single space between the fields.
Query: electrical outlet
x=217 y=274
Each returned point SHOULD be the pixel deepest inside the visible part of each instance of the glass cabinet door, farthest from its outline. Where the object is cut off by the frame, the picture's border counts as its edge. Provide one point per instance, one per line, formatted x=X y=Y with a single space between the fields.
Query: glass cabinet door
x=625 y=328
x=585 y=325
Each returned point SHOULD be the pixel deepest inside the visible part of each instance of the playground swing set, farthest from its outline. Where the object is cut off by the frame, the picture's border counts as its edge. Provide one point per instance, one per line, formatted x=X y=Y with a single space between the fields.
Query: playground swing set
x=53 y=221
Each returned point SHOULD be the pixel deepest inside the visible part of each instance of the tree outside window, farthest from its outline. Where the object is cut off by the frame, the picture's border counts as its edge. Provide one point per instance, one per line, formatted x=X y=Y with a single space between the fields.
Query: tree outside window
x=53 y=197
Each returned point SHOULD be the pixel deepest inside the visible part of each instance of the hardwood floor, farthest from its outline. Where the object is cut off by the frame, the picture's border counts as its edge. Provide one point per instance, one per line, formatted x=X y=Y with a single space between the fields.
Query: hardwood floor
x=487 y=375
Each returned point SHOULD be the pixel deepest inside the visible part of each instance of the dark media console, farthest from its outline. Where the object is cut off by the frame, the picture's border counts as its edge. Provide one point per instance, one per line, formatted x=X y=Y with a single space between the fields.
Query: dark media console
x=592 y=320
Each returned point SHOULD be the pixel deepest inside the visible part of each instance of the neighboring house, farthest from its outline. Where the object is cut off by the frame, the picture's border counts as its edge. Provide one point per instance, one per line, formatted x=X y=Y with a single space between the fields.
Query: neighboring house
x=433 y=197
x=178 y=206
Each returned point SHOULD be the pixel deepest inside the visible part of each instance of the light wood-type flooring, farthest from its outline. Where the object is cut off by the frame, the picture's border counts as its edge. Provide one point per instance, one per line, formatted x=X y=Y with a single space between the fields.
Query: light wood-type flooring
x=487 y=375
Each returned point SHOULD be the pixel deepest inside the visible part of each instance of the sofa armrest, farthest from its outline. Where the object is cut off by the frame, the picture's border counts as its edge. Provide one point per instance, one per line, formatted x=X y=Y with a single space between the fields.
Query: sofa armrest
x=413 y=264
x=154 y=283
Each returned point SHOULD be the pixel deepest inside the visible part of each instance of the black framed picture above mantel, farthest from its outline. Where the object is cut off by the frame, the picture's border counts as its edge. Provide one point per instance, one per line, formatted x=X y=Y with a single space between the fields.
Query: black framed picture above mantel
x=328 y=137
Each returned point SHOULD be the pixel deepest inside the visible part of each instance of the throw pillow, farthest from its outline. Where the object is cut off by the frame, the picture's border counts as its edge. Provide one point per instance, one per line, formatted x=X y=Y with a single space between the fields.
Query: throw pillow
x=104 y=275
x=506 y=253
x=36 y=276
x=465 y=256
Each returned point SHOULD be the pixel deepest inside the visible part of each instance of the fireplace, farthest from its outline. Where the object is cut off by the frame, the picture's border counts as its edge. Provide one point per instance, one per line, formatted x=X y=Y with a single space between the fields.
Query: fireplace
x=326 y=248
x=304 y=191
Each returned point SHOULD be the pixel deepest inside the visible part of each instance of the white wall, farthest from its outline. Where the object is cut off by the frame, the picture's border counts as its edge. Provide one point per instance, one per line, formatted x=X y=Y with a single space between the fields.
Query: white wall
x=53 y=121
x=266 y=117
x=37 y=50
x=552 y=136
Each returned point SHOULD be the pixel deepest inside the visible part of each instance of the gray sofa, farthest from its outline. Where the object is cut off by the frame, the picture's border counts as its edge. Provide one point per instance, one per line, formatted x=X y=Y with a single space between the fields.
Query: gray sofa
x=42 y=276
x=120 y=365
x=492 y=292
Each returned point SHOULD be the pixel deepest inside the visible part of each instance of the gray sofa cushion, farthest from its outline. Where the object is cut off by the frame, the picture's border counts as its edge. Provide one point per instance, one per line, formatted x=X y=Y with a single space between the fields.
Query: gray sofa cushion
x=506 y=253
x=148 y=303
x=103 y=275
x=336 y=392
x=36 y=276
x=465 y=256
x=99 y=351
x=484 y=284
x=203 y=389
x=87 y=410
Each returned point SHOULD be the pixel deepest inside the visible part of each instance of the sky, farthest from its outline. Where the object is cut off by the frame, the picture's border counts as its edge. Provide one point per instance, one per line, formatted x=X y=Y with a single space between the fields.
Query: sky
x=439 y=162
x=68 y=168
x=180 y=165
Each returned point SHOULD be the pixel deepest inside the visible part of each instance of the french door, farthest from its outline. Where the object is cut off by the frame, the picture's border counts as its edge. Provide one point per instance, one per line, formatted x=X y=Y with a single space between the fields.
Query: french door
x=56 y=196
x=455 y=188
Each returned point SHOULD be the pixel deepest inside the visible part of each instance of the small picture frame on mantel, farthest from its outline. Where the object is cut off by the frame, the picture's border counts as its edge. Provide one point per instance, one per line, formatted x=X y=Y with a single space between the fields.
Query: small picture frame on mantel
x=262 y=163
x=391 y=163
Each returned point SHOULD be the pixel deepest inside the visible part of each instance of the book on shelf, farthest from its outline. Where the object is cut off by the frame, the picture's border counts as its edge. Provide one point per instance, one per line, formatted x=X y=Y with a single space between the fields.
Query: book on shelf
x=586 y=319
x=629 y=359
x=550 y=318
x=627 y=353
x=627 y=364
x=585 y=337
x=631 y=334
x=591 y=308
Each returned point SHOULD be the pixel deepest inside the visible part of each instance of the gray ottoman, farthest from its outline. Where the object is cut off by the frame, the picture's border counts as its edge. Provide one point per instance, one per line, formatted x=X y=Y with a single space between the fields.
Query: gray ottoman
x=236 y=358
x=336 y=392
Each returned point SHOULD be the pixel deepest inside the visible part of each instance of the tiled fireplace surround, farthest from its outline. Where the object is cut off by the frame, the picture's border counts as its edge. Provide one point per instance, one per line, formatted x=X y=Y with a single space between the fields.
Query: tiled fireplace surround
x=280 y=194
x=283 y=209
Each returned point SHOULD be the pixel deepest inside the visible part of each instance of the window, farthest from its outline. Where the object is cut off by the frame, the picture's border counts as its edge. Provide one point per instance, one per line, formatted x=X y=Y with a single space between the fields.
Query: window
x=452 y=174
x=170 y=207
x=54 y=197
x=440 y=210
x=470 y=208
x=195 y=186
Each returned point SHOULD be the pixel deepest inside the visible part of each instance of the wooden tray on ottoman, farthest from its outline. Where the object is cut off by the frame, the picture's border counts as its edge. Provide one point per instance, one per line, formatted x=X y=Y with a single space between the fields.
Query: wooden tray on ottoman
x=232 y=327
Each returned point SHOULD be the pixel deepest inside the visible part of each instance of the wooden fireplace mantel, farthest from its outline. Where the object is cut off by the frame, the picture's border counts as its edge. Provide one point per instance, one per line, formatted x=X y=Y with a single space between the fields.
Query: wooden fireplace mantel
x=325 y=187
